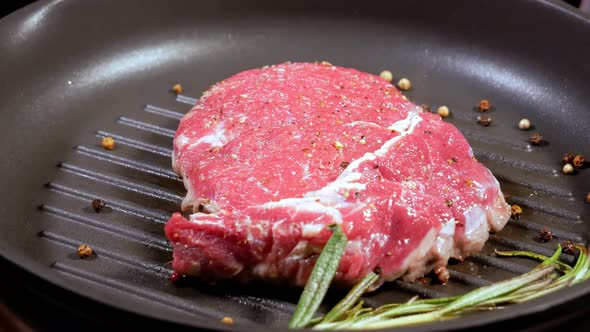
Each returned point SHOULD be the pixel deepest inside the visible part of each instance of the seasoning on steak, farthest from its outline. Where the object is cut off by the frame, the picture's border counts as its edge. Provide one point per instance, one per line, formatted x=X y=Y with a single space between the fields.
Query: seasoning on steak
x=261 y=157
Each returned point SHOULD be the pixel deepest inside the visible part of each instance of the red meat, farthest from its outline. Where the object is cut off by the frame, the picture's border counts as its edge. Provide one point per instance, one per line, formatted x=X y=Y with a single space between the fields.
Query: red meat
x=271 y=156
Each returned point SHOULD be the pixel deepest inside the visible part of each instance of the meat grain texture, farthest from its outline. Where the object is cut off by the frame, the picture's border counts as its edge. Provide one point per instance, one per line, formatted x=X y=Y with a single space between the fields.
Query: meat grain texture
x=271 y=156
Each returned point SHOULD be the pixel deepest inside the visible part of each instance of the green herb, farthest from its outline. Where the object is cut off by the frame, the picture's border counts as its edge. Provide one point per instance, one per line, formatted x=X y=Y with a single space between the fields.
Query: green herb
x=351 y=298
x=549 y=276
x=321 y=276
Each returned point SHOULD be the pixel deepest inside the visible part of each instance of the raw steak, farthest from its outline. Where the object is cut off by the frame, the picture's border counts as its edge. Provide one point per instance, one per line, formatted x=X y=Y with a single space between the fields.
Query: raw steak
x=272 y=156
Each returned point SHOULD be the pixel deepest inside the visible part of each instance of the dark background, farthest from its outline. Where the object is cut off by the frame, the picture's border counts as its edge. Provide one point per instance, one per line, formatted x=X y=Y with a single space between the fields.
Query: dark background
x=8 y=6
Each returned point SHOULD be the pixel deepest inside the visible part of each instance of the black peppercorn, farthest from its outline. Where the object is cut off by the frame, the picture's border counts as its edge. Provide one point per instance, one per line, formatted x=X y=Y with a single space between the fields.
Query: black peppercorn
x=567 y=158
x=545 y=235
x=484 y=120
x=536 y=138
x=568 y=247
x=98 y=204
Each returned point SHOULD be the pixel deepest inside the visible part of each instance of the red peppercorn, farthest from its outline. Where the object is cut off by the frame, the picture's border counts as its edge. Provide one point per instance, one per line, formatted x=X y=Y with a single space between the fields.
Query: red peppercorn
x=578 y=161
x=484 y=105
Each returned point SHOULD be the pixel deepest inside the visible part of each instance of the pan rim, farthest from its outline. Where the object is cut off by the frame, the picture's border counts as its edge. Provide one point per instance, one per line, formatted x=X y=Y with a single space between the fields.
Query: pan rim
x=23 y=261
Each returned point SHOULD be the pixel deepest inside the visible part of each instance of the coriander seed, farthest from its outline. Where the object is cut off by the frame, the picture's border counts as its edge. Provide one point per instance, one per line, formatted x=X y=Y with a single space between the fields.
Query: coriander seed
x=227 y=320
x=177 y=88
x=84 y=251
x=386 y=75
x=108 y=143
x=404 y=84
x=516 y=212
x=524 y=124
x=443 y=111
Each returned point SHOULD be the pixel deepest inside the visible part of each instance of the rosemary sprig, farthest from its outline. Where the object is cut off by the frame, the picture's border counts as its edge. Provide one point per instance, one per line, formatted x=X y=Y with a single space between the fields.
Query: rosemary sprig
x=351 y=298
x=320 y=278
x=549 y=276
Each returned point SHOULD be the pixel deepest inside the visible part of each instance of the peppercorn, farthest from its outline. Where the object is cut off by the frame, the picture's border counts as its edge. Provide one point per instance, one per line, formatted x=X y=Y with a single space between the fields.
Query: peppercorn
x=567 y=158
x=536 y=138
x=484 y=105
x=507 y=197
x=524 y=124
x=578 y=161
x=177 y=88
x=98 y=204
x=568 y=247
x=386 y=75
x=344 y=164
x=84 y=251
x=227 y=320
x=443 y=111
x=545 y=235
x=404 y=84
x=425 y=107
x=588 y=197
x=484 y=120
x=108 y=143
x=449 y=202
x=568 y=169
x=516 y=211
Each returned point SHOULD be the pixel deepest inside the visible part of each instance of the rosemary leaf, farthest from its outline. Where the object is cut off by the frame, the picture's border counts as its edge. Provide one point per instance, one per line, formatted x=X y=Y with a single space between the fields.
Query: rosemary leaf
x=501 y=288
x=351 y=298
x=321 y=276
x=526 y=254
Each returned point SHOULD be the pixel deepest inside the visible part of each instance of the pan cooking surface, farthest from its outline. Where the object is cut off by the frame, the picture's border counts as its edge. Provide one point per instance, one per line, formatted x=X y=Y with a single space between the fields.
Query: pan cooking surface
x=81 y=71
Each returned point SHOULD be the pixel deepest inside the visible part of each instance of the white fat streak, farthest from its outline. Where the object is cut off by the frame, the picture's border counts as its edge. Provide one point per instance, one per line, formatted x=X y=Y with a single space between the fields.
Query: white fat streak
x=189 y=199
x=181 y=141
x=306 y=204
x=204 y=219
x=259 y=184
x=311 y=230
x=330 y=199
x=363 y=123
x=404 y=127
x=216 y=139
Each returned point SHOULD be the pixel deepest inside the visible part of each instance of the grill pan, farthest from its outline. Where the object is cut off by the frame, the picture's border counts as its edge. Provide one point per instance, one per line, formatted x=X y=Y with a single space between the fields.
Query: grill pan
x=75 y=71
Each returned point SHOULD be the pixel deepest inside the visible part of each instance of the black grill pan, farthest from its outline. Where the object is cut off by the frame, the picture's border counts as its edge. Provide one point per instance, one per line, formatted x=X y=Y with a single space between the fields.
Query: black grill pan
x=75 y=71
